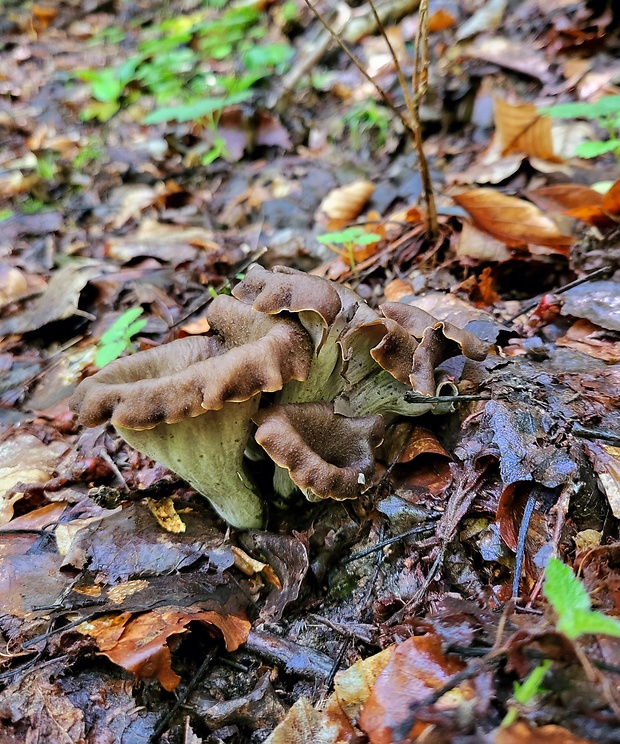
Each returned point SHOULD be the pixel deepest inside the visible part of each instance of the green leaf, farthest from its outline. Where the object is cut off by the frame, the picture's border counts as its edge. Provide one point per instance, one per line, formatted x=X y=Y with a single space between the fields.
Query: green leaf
x=119 y=329
x=348 y=235
x=570 y=111
x=593 y=149
x=5 y=214
x=110 y=352
x=571 y=602
x=136 y=327
x=270 y=55
x=589 y=621
x=192 y=111
x=531 y=685
x=564 y=590
x=367 y=239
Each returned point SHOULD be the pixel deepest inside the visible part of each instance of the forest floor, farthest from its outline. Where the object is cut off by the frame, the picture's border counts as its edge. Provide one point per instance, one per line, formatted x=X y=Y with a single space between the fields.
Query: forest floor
x=150 y=153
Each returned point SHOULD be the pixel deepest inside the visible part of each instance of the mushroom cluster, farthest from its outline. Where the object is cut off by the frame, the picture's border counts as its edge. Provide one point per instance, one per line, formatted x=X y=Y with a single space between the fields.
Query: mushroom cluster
x=296 y=364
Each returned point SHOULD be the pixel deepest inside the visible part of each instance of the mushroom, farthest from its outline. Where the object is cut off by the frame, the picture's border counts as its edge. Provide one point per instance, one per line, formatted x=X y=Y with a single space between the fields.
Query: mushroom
x=326 y=455
x=188 y=404
x=324 y=308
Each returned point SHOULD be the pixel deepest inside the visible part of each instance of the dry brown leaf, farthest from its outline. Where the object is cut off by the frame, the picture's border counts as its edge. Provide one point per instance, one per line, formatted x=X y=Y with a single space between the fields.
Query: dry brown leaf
x=474 y=243
x=512 y=220
x=581 y=336
x=521 y=128
x=13 y=284
x=564 y=196
x=173 y=243
x=606 y=462
x=335 y=724
x=25 y=459
x=396 y=290
x=305 y=725
x=346 y=203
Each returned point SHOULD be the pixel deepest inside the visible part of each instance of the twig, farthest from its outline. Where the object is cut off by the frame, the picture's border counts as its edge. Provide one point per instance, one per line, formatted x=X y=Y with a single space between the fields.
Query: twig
x=584 y=433
x=534 y=303
x=420 y=85
x=167 y=717
x=388 y=541
x=523 y=529
x=360 y=66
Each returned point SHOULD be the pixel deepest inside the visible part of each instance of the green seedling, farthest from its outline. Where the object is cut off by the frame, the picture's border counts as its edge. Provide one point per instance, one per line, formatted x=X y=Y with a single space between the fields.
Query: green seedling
x=350 y=238
x=366 y=121
x=118 y=338
x=526 y=691
x=177 y=62
x=571 y=602
x=605 y=112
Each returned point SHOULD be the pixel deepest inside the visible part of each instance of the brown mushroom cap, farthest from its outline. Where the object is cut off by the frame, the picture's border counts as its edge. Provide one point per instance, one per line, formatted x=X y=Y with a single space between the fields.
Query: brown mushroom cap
x=417 y=321
x=287 y=289
x=327 y=455
x=192 y=375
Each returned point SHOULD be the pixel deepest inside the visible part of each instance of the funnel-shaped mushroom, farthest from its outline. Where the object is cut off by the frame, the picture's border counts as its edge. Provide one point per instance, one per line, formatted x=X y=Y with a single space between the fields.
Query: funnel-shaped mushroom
x=188 y=404
x=326 y=455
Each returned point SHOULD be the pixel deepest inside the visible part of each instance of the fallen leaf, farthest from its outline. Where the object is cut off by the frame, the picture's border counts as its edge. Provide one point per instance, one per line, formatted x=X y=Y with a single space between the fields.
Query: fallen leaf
x=474 y=243
x=141 y=646
x=582 y=336
x=305 y=725
x=166 y=515
x=346 y=203
x=598 y=302
x=58 y=301
x=521 y=128
x=514 y=221
x=25 y=459
x=487 y=18
x=523 y=733
x=172 y=243
x=606 y=462
x=416 y=668
x=440 y=20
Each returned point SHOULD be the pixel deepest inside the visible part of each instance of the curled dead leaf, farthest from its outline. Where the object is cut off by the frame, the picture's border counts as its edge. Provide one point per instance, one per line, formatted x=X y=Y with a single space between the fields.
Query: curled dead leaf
x=346 y=203
x=514 y=221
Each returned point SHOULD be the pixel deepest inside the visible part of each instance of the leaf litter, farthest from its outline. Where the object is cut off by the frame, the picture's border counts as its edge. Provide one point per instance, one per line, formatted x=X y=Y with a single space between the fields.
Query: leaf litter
x=402 y=614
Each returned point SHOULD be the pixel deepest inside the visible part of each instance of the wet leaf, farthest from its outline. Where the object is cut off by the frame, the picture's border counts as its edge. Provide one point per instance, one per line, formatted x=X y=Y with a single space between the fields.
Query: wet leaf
x=589 y=338
x=514 y=221
x=141 y=645
x=416 y=668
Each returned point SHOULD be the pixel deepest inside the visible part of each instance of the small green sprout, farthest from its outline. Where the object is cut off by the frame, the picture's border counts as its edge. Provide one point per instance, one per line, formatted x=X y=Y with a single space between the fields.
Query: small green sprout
x=118 y=338
x=571 y=602
x=605 y=112
x=350 y=238
x=526 y=691
x=365 y=120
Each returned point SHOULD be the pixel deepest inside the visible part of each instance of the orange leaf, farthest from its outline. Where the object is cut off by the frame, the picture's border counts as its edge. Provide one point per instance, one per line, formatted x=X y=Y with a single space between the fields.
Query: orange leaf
x=522 y=129
x=523 y=733
x=440 y=20
x=565 y=196
x=415 y=670
x=141 y=645
x=513 y=220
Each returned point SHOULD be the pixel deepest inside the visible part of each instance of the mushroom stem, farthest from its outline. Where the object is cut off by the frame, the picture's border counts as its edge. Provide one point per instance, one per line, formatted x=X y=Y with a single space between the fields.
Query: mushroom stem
x=378 y=393
x=207 y=452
